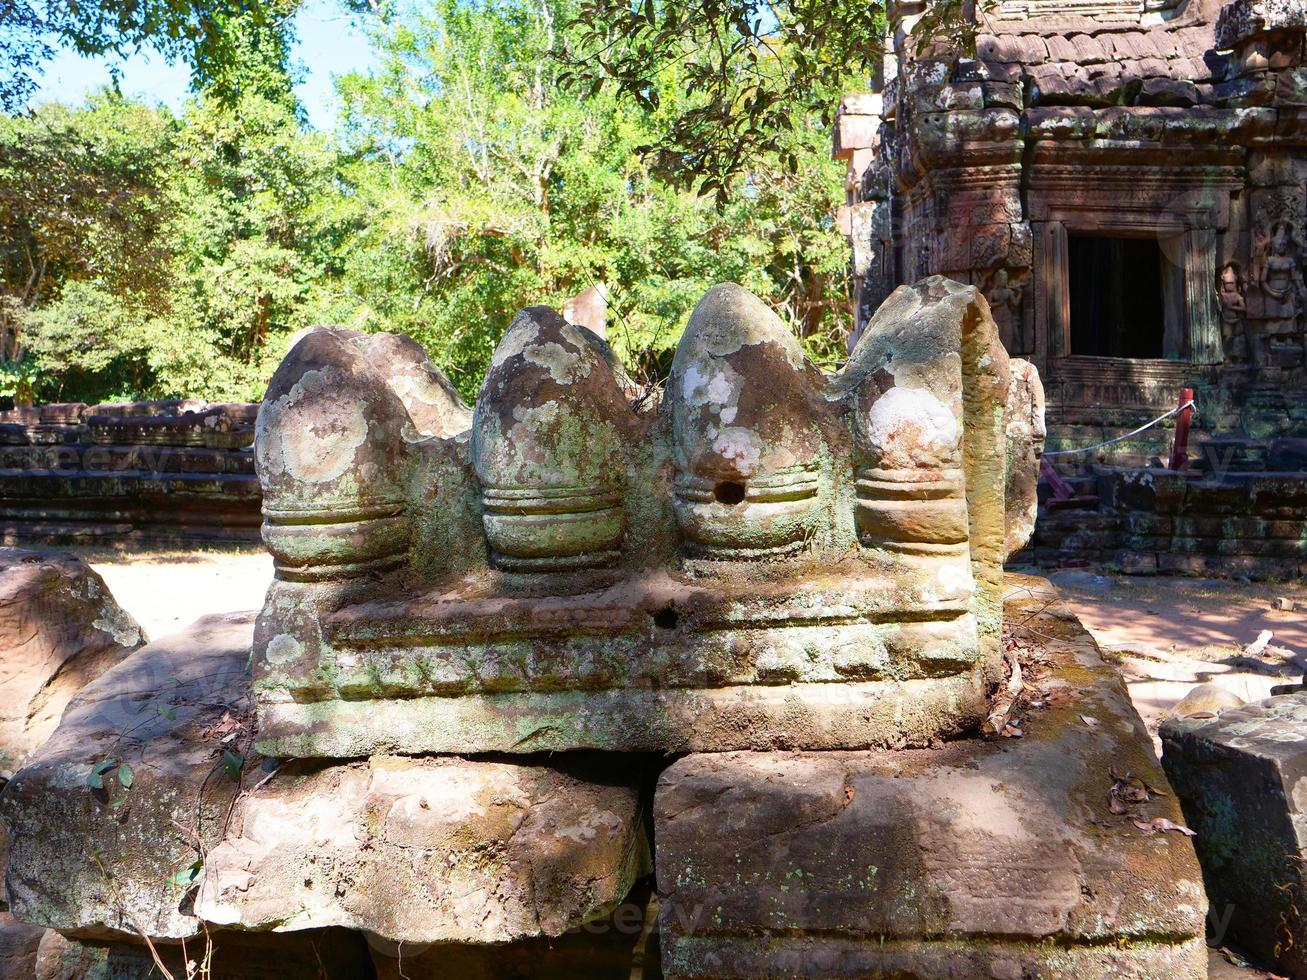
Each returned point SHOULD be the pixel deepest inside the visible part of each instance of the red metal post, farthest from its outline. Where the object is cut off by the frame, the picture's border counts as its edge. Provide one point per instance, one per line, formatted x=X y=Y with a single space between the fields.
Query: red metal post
x=1180 y=449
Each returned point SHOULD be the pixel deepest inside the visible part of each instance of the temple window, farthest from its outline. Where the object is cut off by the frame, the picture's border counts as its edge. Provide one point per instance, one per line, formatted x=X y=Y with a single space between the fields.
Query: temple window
x=1118 y=288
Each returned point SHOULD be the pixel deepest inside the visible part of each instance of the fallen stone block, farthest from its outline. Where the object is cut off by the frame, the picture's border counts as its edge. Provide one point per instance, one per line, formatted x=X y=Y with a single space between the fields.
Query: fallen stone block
x=431 y=850
x=981 y=858
x=18 y=945
x=59 y=629
x=106 y=821
x=329 y=954
x=1239 y=777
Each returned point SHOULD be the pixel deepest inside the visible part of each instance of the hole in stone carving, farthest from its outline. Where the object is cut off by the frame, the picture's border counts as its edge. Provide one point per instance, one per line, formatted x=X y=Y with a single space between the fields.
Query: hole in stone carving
x=666 y=619
x=728 y=492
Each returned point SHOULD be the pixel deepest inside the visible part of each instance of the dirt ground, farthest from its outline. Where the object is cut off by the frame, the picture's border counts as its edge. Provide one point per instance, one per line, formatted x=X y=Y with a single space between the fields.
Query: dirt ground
x=1168 y=635
x=167 y=591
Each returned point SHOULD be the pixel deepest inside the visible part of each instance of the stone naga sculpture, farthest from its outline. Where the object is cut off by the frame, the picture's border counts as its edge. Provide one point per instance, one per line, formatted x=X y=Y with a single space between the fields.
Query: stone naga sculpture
x=770 y=558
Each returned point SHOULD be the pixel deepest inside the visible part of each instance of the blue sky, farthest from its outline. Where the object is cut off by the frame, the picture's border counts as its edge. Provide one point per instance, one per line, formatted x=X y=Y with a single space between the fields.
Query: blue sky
x=328 y=44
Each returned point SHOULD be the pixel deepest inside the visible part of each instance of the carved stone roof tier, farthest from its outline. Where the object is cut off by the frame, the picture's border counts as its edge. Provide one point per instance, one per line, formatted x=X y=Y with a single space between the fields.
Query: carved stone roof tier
x=1243 y=19
x=1081 y=51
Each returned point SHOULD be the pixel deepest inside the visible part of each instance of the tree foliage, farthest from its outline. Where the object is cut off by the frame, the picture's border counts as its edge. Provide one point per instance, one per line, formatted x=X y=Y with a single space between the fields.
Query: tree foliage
x=749 y=70
x=198 y=32
x=493 y=188
x=179 y=255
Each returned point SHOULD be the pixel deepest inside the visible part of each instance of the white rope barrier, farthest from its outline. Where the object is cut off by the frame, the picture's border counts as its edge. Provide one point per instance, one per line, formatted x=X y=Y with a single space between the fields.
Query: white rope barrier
x=1147 y=425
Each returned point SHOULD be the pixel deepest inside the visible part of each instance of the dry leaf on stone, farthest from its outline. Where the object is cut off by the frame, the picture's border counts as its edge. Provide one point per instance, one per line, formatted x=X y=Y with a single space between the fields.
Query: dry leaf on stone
x=1161 y=825
x=1004 y=701
x=1089 y=720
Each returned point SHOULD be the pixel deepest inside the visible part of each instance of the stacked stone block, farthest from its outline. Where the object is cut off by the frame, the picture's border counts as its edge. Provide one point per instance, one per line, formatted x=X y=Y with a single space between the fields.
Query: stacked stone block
x=172 y=472
x=1153 y=520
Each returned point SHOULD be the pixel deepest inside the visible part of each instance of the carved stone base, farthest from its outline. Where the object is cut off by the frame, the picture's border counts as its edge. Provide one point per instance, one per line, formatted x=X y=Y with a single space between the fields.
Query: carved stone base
x=979 y=859
x=795 y=716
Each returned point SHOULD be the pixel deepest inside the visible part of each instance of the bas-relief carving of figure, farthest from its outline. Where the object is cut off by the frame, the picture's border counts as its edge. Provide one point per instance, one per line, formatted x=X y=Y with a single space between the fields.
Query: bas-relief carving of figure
x=1275 y=307
x=1005 y=305
x=1281 y=278
x=1230 y=292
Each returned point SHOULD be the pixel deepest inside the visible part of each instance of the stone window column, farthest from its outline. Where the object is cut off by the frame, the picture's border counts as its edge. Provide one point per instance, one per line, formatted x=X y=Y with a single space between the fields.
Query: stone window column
x=1200 y=297
x=1193 y=324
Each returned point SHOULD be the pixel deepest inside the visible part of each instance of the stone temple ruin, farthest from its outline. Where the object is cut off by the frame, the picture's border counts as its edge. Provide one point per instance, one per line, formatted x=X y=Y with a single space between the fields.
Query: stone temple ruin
x=1126 y=182
x=587 y=682
x=163 y=473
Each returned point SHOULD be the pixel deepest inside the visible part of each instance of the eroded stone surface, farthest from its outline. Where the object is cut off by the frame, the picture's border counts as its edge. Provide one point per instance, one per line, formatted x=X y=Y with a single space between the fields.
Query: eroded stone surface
x=977 y=859
x=18 y=946
x=59 y=629
x=1240 y=778
x=409 y=850
x=585 y=572
x=1025 y=443
x=1244 y=19
x=618 y=946
x=549 y=443
x=431 y=850
x=102 y=861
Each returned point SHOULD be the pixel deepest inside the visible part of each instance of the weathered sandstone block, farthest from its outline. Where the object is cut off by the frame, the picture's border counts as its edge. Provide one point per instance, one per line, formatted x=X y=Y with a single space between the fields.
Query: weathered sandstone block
x=978 y=859
x=1244 y=19
x=1025 y=444
x=430 y=850
x=59 y=629
x=770 y=558
x=128 y=821
x=1240 y=779
x=105 y=861
x=618 y=946
x=18 y=946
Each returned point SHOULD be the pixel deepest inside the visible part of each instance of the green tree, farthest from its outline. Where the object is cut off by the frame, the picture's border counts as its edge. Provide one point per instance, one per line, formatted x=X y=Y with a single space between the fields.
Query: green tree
x=480 y=186
x=248 y=229
x=146 y=256
x=199 y=32
x=749 y=68
x=81 y=202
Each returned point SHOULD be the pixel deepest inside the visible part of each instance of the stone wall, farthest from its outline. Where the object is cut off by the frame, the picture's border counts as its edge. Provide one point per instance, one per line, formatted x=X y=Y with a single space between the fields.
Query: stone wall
x=158 y=473
x=1150 y=520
